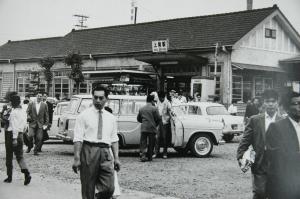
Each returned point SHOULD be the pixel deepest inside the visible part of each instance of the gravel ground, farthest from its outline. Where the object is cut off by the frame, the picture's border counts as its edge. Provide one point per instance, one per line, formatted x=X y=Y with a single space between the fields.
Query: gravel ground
x=184 y=177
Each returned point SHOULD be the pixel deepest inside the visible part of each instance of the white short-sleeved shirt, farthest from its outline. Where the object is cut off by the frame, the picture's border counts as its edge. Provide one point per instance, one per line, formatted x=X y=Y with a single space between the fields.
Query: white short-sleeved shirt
x=86 y=127
x=17 y=121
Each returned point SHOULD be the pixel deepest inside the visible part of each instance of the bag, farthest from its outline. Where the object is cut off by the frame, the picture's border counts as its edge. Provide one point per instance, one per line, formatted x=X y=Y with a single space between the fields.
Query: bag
x=45 y=135
x=25 y=138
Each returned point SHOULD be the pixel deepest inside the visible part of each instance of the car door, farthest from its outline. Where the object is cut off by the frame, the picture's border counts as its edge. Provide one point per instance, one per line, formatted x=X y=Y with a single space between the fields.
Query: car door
x=54 y=127
x=128 y=126
x=177 y=128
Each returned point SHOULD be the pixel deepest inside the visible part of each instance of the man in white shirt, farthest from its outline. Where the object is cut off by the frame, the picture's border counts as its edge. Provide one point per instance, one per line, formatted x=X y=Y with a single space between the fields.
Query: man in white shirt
x=164 y=109
x=282 y=147
x=254 y=135
x=94 y=133
x=14 y=139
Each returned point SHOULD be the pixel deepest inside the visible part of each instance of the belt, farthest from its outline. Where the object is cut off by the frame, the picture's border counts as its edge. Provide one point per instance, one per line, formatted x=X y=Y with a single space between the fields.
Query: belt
x=100 y=145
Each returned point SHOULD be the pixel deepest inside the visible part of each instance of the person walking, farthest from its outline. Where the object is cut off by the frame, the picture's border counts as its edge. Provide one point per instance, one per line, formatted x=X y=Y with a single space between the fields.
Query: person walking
x=255 y=135
x=14 y=139
x=282 y=148
x=164 y=109
x=38 y=118
x=149 y=117
x=95 y=133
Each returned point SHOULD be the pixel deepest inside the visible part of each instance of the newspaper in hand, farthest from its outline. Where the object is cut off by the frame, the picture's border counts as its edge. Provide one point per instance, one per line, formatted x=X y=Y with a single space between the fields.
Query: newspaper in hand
x=248 y=159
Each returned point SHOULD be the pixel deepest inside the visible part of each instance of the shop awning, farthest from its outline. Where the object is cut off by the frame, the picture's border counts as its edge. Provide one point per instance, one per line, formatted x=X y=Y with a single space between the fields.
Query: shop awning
x=172 y=59
x=241 y=66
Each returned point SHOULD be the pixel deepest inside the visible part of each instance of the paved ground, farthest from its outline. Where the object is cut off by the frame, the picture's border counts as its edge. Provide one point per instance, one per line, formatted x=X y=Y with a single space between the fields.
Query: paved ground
x=43 y=187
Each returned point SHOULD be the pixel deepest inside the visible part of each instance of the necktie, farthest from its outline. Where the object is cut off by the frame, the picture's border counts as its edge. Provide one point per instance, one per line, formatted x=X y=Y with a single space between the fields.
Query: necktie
x=100 y=126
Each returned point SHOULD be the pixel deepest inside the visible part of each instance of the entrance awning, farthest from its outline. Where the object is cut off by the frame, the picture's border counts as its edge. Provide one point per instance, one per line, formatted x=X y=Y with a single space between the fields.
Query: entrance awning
x=119 y=71
x=293 y=60
x=172 y=59
x=256 y=67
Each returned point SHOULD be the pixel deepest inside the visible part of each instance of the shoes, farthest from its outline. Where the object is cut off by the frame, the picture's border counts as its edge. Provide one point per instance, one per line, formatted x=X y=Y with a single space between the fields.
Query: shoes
x=8 y=180
x=154 y=156
x=27 y=179
x=165 y=156
x=39 y=150
x=143 y=159
x=36 y=153
x=28 y=149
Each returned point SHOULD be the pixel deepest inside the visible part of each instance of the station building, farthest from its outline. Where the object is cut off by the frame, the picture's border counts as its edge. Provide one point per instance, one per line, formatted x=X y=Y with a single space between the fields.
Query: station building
x=238 y=55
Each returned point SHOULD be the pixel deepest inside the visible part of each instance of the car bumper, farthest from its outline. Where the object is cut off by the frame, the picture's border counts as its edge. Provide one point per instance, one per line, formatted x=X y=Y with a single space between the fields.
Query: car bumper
x=232 y=132
x=63 y=137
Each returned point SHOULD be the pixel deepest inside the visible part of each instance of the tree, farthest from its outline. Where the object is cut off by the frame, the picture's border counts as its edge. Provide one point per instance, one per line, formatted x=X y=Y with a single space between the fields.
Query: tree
x=47 y=63
x=75 y=61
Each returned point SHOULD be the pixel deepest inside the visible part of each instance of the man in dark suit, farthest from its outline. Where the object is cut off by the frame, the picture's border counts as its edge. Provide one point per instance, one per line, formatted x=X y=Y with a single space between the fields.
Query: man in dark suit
x=50 y=114
x=255 y=135
x=38 y=118
x=282 y=148
x=149 y=117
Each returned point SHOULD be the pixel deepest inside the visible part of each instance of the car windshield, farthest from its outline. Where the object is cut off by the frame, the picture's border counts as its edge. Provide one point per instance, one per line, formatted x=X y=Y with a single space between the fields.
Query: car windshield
x=85 y=103
x=72 y=105
x=216 y=110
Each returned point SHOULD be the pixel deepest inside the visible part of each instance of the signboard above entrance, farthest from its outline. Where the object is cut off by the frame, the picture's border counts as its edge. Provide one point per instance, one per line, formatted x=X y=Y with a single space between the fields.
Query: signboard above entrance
x=160 y=46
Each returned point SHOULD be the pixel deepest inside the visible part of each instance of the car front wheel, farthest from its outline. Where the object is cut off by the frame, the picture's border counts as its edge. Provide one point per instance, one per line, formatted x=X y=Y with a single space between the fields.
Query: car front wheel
x=201 y=145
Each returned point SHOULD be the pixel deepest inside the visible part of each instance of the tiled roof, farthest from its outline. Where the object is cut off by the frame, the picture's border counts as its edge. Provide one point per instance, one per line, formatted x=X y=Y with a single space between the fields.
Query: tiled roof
x=183 y=33
x=35 y=48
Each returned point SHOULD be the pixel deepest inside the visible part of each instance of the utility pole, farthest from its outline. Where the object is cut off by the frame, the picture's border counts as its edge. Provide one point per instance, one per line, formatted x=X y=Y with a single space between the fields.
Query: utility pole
x=133 y=11
x=81 y=20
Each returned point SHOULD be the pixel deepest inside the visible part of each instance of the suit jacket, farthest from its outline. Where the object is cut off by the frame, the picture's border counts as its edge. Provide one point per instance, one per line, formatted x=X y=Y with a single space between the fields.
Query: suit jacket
x=282 y=148
x=255 y=135
x=149 y=117
x=37 y=119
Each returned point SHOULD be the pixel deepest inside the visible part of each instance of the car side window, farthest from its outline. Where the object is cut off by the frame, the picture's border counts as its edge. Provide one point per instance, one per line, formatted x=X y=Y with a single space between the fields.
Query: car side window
x=114 y=105
x=193 y=110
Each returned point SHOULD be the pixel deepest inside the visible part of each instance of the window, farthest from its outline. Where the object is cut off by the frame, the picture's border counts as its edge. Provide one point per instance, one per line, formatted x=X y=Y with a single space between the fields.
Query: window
x=270 y=33
x=237 y=88
x=217 y=110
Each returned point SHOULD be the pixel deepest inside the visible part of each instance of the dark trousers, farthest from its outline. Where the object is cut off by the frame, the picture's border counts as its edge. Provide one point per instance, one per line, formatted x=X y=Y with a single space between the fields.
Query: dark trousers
x=259 y=183
x=96 y=169
x=18 y=151
x=162 y=138
x=37 y=134
x=150 y=138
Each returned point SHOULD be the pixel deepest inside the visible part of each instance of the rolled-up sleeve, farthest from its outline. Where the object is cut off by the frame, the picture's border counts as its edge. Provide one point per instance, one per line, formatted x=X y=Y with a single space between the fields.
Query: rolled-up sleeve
x=79 y=129
x=114 y=134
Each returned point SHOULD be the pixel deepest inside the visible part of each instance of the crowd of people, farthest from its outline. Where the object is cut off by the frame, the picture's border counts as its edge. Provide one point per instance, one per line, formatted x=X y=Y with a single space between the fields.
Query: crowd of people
x=274 y=138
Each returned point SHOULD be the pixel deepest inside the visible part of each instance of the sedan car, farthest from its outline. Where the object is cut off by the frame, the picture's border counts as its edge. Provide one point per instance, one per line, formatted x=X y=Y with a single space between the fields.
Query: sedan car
x=199 y=111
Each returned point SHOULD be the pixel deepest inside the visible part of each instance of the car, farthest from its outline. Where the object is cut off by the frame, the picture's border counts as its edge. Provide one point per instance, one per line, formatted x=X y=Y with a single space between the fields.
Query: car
x=186 y=135
x=57 y=112
x=232 y=125
x=193 y=133
x=124 y=107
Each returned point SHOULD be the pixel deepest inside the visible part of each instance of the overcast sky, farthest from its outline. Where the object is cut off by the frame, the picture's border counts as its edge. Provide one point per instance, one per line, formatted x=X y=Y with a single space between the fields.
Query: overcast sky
x=31 y=19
